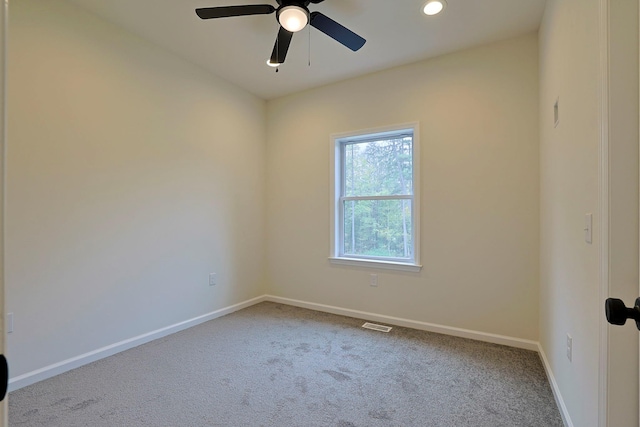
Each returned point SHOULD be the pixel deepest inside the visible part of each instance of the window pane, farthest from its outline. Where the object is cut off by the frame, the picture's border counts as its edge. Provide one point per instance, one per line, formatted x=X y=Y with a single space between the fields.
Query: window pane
x=379 y=228
x=379 y=168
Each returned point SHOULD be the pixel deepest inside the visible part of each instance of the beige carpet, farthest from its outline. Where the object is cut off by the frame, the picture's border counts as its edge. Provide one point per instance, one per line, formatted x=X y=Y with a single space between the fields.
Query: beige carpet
x=276 y=365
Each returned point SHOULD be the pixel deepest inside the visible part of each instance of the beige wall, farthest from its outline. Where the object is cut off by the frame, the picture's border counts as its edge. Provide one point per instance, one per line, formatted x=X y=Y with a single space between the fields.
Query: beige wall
x=569 y=284
x=478 y=114
x=131 y=176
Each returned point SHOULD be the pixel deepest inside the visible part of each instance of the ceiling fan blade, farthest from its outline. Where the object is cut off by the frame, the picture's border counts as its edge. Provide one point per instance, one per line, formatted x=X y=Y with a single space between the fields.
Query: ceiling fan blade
x=229 y=11
x=281 y=47
x=336 y=31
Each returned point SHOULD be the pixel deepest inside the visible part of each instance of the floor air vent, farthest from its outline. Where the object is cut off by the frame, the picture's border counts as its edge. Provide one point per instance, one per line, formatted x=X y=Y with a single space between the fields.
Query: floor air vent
x=375 y=327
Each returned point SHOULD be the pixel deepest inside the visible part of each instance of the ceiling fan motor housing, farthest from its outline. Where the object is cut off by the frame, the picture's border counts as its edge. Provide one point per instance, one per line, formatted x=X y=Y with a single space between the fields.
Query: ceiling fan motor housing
x=303 y=3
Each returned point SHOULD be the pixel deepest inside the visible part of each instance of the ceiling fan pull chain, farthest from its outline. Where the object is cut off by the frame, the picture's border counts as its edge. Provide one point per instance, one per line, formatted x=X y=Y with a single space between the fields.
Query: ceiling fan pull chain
x=278 y=54
x=309 y=45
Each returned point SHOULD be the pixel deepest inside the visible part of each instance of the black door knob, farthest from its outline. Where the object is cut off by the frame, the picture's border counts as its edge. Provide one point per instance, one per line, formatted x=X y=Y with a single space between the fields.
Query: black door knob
x=617 y=313
x=4 y=376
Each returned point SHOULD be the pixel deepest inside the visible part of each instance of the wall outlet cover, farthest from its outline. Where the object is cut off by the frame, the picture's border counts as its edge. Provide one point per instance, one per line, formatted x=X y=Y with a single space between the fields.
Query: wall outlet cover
x=373 y=280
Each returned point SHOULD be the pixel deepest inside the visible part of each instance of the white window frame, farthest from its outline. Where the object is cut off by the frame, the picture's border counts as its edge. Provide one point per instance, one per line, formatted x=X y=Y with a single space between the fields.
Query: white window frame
x=335 y=205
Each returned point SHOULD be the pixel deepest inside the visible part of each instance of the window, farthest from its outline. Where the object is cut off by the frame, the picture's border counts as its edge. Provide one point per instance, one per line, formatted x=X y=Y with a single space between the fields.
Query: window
x=375 y=198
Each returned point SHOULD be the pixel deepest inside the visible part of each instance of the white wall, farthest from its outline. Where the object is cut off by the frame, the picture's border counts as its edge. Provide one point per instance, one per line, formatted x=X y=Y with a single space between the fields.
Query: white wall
x=131 y=176
x=478 y=112
x=569 y=162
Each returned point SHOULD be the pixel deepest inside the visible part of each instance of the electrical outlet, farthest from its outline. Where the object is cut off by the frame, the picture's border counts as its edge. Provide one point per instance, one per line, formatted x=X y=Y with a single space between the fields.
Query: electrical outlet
x=9 y=325
x=373 y=280
x=569 y=348
x=213 y=277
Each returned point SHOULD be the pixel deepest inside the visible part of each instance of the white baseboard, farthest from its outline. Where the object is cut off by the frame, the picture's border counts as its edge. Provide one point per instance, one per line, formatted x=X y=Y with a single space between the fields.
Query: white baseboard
x=414 y=324
x=554 y=387
x=83 y=359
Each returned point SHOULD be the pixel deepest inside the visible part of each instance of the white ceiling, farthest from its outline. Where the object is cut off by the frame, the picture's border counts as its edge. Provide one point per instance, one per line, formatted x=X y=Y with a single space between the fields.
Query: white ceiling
x=396 y=31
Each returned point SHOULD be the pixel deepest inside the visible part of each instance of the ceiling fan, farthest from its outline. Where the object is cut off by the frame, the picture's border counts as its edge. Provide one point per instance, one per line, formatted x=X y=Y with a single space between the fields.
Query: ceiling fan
x=293 y=16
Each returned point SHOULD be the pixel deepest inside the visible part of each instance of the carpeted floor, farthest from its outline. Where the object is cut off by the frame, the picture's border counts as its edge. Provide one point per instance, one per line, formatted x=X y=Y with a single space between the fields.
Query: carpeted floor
x=276 y=365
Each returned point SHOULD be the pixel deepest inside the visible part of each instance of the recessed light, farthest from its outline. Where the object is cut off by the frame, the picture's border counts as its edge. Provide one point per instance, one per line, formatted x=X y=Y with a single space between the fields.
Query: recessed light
x=433 y=7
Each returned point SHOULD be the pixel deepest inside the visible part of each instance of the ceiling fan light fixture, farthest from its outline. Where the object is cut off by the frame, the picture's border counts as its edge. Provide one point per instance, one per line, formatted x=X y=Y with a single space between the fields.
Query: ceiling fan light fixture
x=434 y=7
x=273 y=64
x=293 y=18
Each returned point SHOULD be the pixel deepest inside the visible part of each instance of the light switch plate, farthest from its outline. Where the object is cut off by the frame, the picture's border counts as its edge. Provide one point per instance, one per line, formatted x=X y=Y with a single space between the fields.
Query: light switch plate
x=588 y=228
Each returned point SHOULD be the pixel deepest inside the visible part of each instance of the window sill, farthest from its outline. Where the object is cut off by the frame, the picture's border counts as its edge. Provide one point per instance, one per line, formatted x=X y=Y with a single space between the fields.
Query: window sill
x=385 y=265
